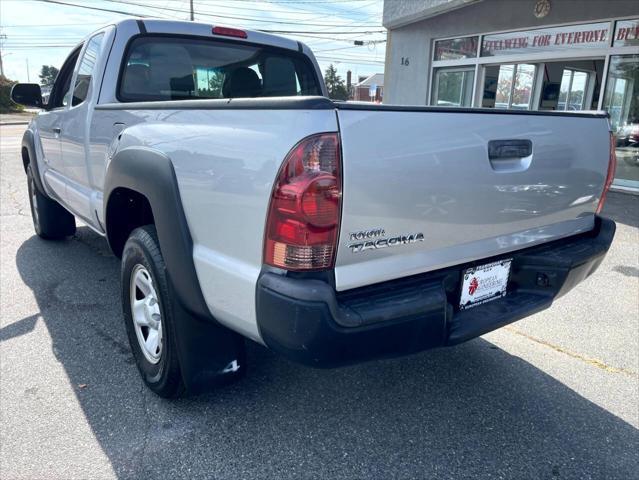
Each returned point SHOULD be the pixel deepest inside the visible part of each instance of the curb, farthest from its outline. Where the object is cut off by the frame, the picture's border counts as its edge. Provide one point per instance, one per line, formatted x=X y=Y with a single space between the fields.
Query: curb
x=13 y=123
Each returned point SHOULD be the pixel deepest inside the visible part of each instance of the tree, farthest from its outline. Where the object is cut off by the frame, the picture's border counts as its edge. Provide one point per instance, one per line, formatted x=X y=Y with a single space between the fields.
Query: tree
x=215 y=80
x=334 y=84
x=47 y=75
x=6 y=104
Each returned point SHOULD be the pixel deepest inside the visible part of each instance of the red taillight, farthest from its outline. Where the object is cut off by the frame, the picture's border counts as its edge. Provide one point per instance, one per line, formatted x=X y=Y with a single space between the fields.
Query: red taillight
x=229 y=32
x=612 y=166
x=303 y=217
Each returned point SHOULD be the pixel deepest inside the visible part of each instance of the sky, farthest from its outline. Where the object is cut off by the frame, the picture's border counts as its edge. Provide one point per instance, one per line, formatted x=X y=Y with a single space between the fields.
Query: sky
x=40 y=32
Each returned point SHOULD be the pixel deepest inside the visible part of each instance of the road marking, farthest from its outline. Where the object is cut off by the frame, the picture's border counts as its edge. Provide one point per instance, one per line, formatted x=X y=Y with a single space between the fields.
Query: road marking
x=591 y=361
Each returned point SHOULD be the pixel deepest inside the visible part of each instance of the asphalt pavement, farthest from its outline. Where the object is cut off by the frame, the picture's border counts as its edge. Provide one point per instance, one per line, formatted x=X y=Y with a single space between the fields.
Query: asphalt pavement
x=553 y=396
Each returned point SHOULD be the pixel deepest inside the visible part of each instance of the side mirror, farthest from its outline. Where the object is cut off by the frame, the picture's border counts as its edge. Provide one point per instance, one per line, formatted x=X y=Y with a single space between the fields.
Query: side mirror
x=27 y=94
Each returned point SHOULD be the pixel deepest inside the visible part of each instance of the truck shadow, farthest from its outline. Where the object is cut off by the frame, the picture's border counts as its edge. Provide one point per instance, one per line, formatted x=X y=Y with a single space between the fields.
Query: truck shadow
x=472 y=410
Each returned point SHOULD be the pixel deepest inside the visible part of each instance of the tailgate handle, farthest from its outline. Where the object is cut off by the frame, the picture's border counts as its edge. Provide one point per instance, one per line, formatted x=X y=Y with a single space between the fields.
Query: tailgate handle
x=509 y=149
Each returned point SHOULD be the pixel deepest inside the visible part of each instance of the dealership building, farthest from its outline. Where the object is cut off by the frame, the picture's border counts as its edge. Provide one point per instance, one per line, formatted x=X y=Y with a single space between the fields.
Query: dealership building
x=564 y=55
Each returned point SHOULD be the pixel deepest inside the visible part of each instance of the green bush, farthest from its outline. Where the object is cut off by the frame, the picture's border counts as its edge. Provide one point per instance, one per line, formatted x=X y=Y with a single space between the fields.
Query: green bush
x=6 y=104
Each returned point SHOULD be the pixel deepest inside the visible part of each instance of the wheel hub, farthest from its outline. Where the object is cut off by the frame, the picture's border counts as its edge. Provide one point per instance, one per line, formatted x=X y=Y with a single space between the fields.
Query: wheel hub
x=145 y=310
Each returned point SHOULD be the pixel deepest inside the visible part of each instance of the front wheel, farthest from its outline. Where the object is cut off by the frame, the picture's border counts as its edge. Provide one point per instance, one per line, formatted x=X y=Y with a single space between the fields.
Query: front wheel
x=149 y=313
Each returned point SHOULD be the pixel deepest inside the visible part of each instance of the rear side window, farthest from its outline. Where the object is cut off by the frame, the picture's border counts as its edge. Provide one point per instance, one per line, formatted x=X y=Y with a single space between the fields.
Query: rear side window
x=85 y=71
x=175 y=68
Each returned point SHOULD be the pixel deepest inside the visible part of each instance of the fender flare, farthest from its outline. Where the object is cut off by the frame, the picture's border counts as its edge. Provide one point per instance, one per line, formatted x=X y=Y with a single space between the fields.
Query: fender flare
x=207 y=350
x=150 y=173
x=28 y=142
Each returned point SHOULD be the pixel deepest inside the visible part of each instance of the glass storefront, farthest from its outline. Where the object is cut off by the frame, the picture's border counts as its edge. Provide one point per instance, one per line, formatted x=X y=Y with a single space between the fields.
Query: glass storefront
x=621 y=101
x=508 y=86
x=591 y=66
x=454 y=87
x=571 y=85
x=572 y=90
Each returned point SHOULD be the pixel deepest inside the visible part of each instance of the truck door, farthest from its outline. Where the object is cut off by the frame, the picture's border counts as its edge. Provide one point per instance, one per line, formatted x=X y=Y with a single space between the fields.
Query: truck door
x=74 y=130
x=50 y=126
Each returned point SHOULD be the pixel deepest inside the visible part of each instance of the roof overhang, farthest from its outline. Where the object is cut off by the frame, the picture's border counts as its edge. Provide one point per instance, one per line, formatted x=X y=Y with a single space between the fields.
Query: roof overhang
x=398 y=13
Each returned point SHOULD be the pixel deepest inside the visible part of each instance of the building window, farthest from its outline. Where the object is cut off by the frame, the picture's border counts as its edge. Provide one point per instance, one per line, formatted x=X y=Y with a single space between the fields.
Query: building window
x=627 y=33
x=621 y=100
x=456 y=48
x=573 y=89
x=570 y=85
x=509 y=86
x=453 y=87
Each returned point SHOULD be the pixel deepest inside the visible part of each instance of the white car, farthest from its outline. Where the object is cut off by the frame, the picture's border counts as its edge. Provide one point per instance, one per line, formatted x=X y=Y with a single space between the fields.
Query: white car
x=244 y=204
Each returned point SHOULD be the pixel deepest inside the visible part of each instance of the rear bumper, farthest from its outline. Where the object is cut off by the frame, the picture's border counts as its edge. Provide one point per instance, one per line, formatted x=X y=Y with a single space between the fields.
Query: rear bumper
x=309 y=322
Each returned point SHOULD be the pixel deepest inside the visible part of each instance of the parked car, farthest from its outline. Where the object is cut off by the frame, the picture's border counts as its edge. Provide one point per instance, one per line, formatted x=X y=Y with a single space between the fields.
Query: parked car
x=628 y=135
x=627 y=141
x=244 y=204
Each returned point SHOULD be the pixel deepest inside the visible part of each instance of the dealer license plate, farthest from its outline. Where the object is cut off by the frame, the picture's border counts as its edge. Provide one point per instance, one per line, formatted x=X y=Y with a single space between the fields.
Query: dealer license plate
x=484 y=283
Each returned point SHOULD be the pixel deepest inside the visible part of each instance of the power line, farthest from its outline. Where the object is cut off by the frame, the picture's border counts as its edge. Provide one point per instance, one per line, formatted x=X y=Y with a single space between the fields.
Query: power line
x=221 y=16
x=316 y=14
x=23 y=47
x=308 y=2
x=121 y=12
x=299 y=33
x=351 y=62
x=51 y=25
x=312 y=35
x=322 y=33
x=351 y=57
x=291 y=10
x=25 y=42
x=340 y=48
x=281 y=22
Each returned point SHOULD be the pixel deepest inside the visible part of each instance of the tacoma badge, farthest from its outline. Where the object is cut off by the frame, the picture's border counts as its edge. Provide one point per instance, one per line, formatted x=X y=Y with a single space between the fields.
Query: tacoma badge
x=377 y=243
x=367 y=234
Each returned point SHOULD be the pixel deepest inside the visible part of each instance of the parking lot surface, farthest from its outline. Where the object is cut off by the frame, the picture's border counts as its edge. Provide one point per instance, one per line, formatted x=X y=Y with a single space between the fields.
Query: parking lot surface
x=553 y=396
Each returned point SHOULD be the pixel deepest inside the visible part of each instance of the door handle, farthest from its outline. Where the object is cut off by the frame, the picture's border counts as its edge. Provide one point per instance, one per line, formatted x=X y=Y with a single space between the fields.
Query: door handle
x=57 y=130
x=509 y=149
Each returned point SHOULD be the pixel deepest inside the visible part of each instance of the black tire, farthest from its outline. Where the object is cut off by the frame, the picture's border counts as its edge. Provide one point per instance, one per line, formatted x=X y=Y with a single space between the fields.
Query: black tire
x=50 y=220
x=164 y=377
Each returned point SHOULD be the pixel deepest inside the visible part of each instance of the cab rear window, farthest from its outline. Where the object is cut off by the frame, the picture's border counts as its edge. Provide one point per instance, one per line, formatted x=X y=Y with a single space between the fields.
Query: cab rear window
x=177 y=68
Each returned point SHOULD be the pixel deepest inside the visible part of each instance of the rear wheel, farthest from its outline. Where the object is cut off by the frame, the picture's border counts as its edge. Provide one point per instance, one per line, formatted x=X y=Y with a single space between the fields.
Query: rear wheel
x=50 y=219
x=149 y=313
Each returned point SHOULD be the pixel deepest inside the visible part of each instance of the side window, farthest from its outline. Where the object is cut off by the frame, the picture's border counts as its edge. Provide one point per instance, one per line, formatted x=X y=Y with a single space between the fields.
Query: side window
x=87 y=64
x=60 y=92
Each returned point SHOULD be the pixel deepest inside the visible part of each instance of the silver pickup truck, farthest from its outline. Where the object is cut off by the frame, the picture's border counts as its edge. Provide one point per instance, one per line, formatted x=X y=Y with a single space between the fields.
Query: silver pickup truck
x=246 y=204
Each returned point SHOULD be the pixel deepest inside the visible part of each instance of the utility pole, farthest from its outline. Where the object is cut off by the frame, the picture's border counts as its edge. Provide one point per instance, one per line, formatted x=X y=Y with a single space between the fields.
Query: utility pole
x=192 y=12
x=26 y=60
x=2 y=37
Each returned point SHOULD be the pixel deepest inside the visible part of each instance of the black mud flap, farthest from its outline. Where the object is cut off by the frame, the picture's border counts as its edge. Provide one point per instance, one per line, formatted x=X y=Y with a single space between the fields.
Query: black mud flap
x=210 y=354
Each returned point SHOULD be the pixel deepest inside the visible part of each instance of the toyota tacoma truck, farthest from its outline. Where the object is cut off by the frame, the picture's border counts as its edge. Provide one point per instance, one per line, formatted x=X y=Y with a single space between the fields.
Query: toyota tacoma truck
x=245 y=204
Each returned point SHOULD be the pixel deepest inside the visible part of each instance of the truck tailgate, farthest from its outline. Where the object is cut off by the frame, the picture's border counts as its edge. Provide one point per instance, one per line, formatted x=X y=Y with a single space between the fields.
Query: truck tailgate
x=440 y=188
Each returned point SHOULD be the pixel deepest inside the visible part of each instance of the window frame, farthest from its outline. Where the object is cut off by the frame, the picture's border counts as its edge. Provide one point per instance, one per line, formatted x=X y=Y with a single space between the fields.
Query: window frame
x=78 y=64
x=127 y=50
x=67 y=67
x=513 y=84
x=569 y=91
x=470 y=69
x=464 y=37
x=612 y=81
